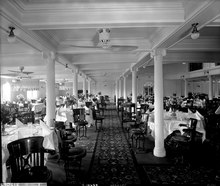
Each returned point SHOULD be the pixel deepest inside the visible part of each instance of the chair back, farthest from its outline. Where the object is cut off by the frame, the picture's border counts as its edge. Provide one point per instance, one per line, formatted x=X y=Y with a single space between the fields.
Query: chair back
x=88 y=104
x=79 y=114
x=192 y=127
x=26 y=153
x=145 y=124
x=61 y=145
x=144 y=108
x=193 y=123
x=128 y=110
x=94 y=116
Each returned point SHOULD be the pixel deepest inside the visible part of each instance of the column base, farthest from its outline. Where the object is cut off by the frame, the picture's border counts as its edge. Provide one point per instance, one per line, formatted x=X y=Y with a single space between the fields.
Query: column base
x=159 y=152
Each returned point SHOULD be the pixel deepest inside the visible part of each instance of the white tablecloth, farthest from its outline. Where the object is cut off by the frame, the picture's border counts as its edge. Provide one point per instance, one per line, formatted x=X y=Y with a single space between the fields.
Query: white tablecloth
x=50 y=140
x=171 y=123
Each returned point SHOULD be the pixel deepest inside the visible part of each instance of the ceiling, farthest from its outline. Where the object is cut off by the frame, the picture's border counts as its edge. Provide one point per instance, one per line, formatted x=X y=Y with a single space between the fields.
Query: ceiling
x=69 y=29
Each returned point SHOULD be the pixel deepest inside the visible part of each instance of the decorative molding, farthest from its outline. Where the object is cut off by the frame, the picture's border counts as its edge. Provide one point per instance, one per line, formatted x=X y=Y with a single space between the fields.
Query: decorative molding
x=158 y=52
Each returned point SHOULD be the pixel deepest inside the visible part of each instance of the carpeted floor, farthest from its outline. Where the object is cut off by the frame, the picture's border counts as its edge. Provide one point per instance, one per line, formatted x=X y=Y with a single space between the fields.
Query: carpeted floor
x=89 y=142
x=171 y=174
x=112 y=161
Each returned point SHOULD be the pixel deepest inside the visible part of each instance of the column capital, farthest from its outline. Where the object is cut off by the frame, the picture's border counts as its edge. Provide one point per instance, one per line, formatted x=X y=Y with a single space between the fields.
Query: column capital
x=158 y=52
x=49 y=55
x=125 y=76
x=75 y=71
x=132 y=68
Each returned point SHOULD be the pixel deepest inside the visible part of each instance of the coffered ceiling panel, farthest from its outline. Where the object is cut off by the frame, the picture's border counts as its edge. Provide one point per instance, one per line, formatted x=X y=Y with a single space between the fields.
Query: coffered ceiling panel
x=71 y=29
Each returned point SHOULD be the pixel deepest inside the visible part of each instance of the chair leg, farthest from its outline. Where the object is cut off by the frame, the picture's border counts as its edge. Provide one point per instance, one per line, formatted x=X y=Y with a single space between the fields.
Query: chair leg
x=132 y=141
x=143 y=143
x=85 y=131
x=96 y=125
x=101 y=124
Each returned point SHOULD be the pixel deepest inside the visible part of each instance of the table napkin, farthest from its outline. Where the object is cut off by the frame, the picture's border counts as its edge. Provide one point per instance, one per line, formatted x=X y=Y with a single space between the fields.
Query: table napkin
x=45 y=129
x=19 y=124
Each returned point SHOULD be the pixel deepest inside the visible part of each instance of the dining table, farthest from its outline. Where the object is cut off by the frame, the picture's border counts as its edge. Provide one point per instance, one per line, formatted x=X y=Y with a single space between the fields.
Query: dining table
x=19 y=131
x=173 y=119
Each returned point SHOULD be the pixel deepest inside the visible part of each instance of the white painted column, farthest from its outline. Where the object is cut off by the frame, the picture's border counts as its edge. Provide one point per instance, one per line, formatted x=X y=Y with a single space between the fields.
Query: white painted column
x=50 y=88
x=134 y=86
x=210 y=88
x=125 y=87
x=185 y=87
x=95 y=87
x=159 y=149
x=75 y=84
x=116 y=92
x=119 y=88
x=84 y=85
x=89 y=86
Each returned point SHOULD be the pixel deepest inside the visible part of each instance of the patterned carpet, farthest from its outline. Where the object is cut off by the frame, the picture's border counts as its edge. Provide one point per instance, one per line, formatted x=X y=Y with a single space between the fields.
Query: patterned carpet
x=87 y=143
x=112 y=161
x=171 y=174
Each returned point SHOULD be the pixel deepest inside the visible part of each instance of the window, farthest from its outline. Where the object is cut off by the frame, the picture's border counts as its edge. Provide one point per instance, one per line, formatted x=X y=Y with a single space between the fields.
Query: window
x=217 y=64
x=32 y=94
x=195 y=66
x=6 y=92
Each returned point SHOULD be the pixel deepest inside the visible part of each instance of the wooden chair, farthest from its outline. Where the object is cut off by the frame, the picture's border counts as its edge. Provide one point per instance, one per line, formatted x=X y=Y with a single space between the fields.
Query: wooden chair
x=128 y=114
x=27 y=160
x=67 y=135
x=188 y=141
x=80 y=121
x=71 y=155
x=98 y=119
x=139 y=134
x=119 y=106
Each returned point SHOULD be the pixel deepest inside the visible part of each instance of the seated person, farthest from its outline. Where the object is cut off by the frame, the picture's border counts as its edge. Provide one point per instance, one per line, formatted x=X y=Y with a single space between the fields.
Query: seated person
x=198 y=102
x=89 y=117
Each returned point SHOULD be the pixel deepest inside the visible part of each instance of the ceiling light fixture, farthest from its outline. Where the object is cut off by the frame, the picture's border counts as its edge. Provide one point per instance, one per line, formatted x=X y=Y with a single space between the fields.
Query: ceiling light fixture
x=11 y=37
x=195 y=33
x=104 y=34
x=66 y=67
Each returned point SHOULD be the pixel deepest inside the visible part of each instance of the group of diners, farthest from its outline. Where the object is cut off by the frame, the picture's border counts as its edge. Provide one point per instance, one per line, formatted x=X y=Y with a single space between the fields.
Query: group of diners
x=65 y=106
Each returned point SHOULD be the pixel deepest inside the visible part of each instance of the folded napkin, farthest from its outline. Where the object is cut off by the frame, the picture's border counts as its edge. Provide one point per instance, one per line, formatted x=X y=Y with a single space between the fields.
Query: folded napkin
x=199 y=115
x=218 y=110
x=195 y=115
x=45 y=129
x=189 y=111
x=18 y=123
x=170 y=110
